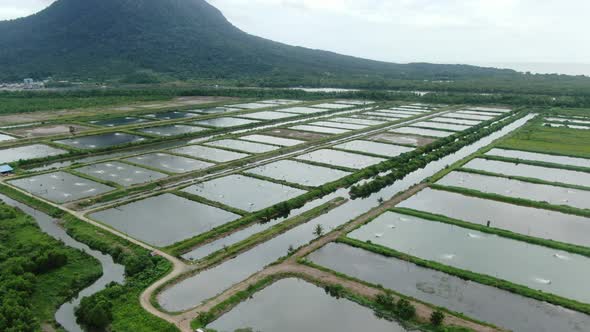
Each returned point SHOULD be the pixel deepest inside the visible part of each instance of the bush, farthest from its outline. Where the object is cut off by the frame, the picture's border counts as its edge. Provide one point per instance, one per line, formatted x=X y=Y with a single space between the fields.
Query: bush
x=405 y=309
x=386 y=300
x=95 y=312
x=437 y=318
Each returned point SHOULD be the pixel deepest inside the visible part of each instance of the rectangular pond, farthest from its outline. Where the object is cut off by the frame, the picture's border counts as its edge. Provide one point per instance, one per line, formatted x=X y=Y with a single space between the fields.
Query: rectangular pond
x=439 y=125
x=301 y=110
x=100 y=141
x=481 y=302
x=120 y=173
x=330 y=124
x=4 y=137
x=467 y=116
x=217 y=110
x=358 y=121
x=267 y=115
x=243 y=192
x=171 y=130
x=224 y=122
x=340 y=158
x=567 y=120
x=382 y=149
x=490 y=109
x=456 y=121
x=169 y=163
x=525 y=220
x=272 y=140
x=321 y=130
x=251 y=106
x=299 y=173
x=28 y=152
x=61 y=187
x=244 y=146
x=410 y=113
x=422 y=132
x=520 y=189
x=293 y=305
x=171 y=115
x=479 y=113
x=535 y=156
x=531 y=171
x=207 y=153
x=389 y=116
x=121 y=121
x=164 y=220
x=537 y=267
x=332 y=106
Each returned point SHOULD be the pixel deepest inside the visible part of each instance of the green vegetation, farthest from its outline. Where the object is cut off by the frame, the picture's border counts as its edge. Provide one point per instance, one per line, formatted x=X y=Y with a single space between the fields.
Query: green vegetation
x=468 y=275
x=37 y=272
x=121 y=302
x=437 y=317
x=21 y=102
x=561 y=141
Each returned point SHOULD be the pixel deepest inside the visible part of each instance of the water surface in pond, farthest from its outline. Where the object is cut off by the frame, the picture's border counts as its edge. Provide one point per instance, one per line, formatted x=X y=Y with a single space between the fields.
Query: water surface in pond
x=299 y=173
x=272 y=140
x=321 y=130
x=544 y=224
x=224 y=122
x=267 y=115
x=28 y=152
x=535 y=156
x=440 y=125
x=244 y=146
x=164 y=220
x=383 y=149
x=537 y=267
x=292 y=305
x=61 y=187
x=100 y=141
x=531 y=171
x=121 y=173
x=122 y=121
x=243 y=192
x=169 y=163
x=171 y=130
x=422 y=132
x=207 y=153
x=519 y=189
x=478 y=301
x=340 y=158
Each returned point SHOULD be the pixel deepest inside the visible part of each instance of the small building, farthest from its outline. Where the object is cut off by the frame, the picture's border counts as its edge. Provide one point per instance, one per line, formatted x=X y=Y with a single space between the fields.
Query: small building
x=6 y=170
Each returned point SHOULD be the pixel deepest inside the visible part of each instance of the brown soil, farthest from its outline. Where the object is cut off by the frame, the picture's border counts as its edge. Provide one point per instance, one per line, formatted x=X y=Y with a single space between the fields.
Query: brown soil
x=48 y=130
x=402 y=139
x=288 y=133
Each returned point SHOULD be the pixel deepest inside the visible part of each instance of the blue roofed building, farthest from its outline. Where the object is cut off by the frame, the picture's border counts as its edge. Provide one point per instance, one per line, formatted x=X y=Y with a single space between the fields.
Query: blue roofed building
x=6 y=170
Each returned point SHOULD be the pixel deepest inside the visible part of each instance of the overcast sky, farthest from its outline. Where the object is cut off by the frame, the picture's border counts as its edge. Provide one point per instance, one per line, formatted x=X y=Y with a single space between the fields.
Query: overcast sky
x=441 y=31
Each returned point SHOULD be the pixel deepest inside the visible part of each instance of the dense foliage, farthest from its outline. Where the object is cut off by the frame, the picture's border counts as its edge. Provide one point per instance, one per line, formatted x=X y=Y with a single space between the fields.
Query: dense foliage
x=27 y=258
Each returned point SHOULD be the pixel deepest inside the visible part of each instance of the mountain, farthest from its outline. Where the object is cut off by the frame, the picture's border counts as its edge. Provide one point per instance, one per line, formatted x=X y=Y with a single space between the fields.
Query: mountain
x=184 y=39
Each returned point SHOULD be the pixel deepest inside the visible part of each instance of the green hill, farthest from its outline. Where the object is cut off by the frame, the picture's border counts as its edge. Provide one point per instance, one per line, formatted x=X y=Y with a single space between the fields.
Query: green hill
x=102 y=39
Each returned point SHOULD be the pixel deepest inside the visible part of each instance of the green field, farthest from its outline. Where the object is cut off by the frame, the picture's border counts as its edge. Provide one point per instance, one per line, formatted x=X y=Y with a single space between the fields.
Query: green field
x=37 y=273
x=535 y=137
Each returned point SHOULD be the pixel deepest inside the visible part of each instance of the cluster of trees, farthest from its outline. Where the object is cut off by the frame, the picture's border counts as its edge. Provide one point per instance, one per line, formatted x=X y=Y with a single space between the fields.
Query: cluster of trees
x=401 y=308
x=24 y=255
x=419 y=158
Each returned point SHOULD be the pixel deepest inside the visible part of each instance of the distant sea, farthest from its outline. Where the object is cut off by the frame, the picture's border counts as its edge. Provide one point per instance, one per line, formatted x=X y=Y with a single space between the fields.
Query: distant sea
x=543 y=67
